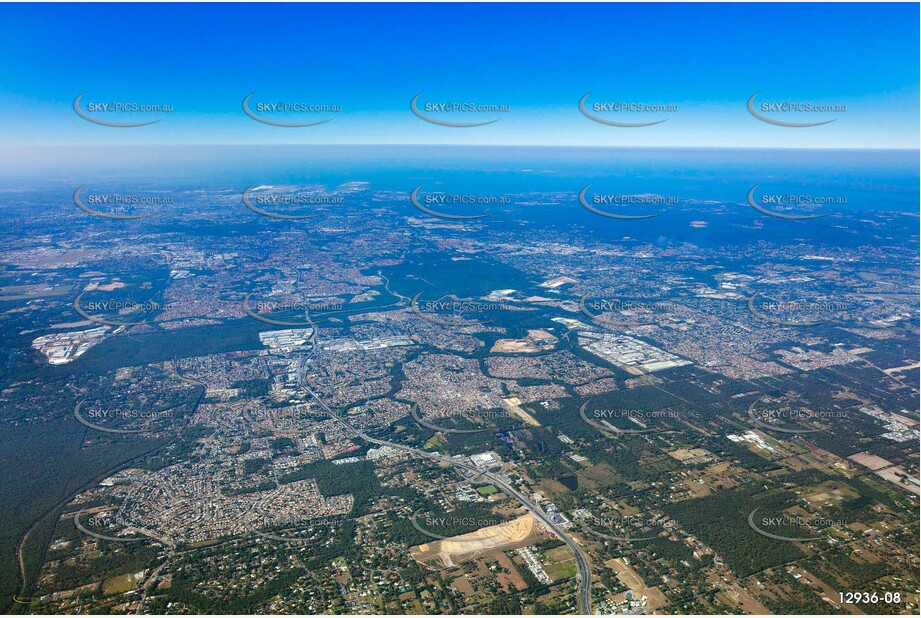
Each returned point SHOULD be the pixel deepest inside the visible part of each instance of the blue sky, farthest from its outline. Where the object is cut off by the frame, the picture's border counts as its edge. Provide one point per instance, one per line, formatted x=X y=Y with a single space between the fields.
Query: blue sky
x=537 y=59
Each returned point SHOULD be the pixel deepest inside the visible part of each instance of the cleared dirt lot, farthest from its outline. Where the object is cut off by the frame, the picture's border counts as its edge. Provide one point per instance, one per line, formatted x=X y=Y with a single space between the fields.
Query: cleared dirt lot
x=632 y=580
x=519 y=532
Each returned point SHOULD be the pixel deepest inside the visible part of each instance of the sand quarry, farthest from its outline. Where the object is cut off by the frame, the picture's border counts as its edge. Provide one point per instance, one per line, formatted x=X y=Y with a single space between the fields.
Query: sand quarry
x=519 y=532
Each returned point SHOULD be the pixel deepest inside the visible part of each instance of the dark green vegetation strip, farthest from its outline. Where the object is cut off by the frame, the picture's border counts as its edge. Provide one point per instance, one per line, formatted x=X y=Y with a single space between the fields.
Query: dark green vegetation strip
x=356 y=478
x=721 y=521
x=34 y=485
x=135 y=350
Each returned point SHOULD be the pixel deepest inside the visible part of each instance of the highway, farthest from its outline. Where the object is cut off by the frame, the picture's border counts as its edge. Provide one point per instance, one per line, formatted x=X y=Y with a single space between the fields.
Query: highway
x=582 y=566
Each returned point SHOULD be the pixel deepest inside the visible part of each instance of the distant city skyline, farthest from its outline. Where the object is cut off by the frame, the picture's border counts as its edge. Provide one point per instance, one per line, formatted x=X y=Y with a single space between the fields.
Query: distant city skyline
x=702 y=62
